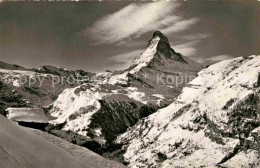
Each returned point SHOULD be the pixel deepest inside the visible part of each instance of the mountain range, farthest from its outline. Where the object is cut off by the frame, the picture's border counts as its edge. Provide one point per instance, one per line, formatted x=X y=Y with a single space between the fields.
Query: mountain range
x=162 y=111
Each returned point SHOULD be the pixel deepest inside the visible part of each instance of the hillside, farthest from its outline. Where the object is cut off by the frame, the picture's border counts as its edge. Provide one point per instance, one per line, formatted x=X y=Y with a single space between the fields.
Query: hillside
x=21 y=87
x=215 y=122
x=21 y=148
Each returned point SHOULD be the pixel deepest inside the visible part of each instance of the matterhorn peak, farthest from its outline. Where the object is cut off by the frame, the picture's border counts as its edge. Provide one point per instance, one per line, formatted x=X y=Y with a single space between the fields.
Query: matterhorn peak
x=160 y=35
x=163 y=45
x=159 y=54
x=158 y=44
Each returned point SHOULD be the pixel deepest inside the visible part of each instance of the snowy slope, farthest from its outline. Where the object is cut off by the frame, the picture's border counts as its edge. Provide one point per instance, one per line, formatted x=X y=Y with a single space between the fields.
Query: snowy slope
x=138 y=63
x=214 y=121
x=76 y=106
x=144 y=59
x=21 y=148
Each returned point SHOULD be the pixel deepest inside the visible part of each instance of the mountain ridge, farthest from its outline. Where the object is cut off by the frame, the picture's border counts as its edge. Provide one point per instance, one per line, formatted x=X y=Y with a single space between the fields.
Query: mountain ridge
x=215 y=121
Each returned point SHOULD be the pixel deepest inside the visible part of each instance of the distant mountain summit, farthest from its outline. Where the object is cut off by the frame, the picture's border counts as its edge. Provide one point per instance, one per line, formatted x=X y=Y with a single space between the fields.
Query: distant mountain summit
x=160 y=55
x=160 y=35
x=157 y=59
x=164 y=48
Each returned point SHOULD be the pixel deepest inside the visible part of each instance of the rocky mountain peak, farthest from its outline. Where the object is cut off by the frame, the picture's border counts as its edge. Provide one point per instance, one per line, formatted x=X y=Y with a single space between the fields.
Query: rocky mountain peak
x=164 y=55
x=159 y=54
x=162 y=36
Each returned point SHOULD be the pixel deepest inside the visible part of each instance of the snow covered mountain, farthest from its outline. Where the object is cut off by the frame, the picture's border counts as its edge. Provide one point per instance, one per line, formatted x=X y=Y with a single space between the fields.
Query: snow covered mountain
x=22 y=87
x=117 y=100
x=215 y=122
x=158 y=59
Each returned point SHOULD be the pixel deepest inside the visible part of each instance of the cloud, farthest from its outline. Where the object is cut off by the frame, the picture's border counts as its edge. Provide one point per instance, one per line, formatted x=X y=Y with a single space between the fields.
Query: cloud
x=186 y=49
x=131 y=43
x=137 y=19
x=219 y=58
x=188 y=46
x=214 y=59
x=195 y=36
x=124 y=60
x=179 y=26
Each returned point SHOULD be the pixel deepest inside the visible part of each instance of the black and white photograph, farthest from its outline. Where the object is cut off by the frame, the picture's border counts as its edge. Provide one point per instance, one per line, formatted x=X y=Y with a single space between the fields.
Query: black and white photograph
x=130 y=84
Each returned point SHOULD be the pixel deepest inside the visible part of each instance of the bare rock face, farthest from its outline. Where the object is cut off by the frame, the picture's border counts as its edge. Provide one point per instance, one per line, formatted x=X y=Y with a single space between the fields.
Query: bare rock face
x=215 y=122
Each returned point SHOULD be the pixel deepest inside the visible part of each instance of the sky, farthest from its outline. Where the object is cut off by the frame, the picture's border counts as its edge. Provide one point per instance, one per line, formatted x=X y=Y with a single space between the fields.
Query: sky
x=96 y=36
